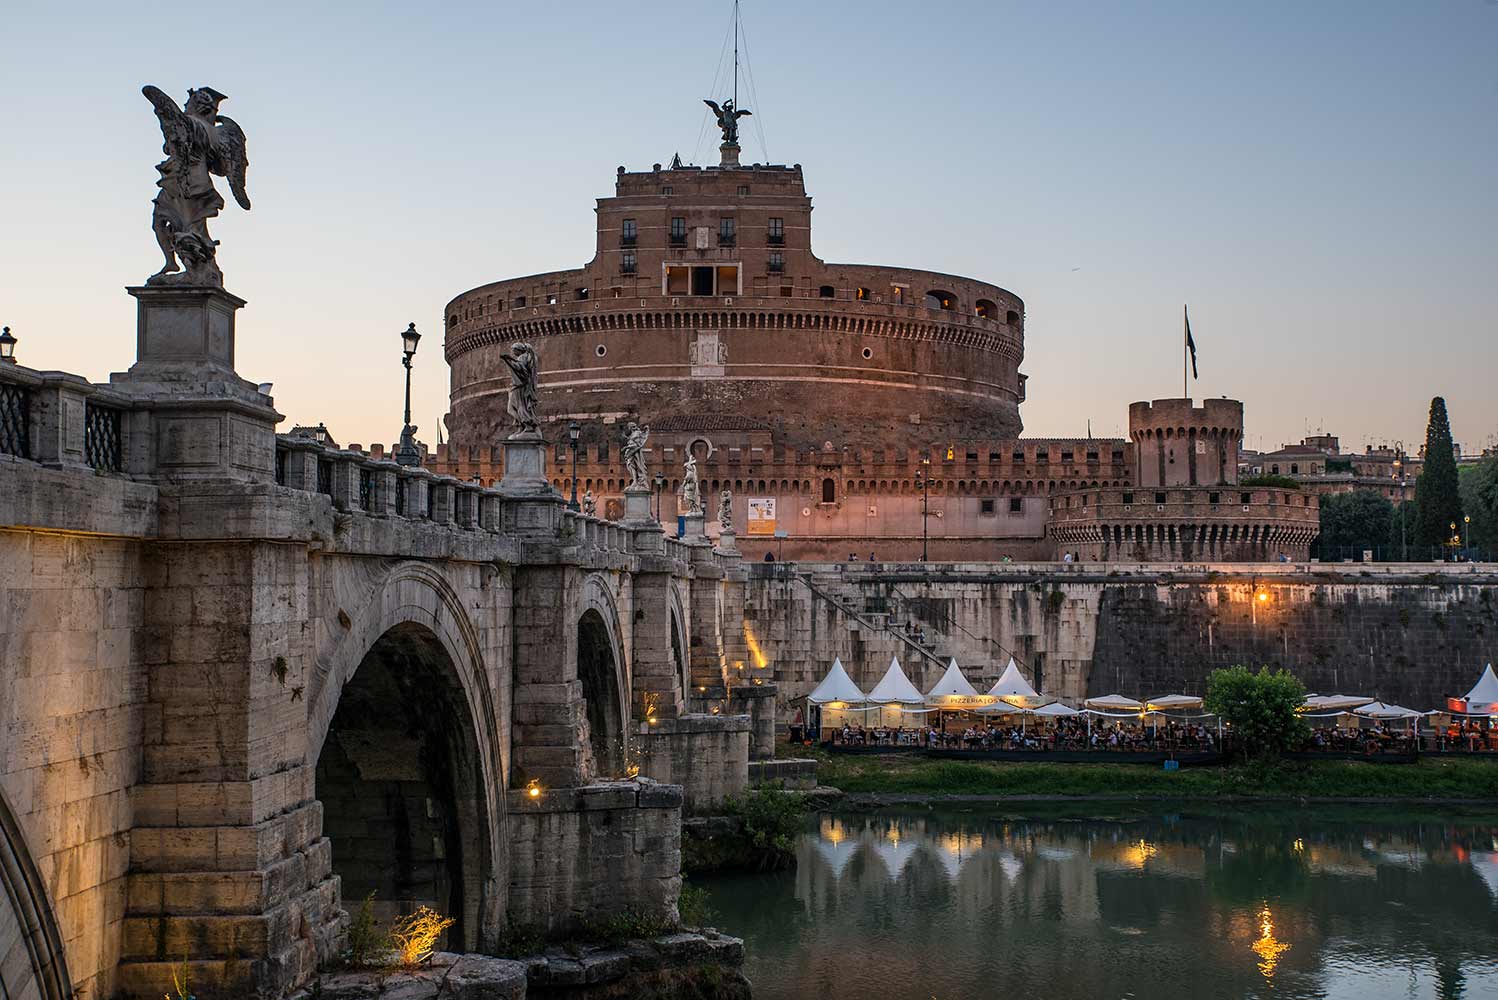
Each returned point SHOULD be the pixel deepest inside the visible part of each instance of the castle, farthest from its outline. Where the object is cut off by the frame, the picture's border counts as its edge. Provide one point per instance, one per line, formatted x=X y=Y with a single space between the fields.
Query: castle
x=852 y=409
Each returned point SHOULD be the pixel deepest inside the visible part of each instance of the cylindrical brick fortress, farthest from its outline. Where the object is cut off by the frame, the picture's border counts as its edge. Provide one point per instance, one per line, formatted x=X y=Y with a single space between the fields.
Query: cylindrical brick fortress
x=704 y=299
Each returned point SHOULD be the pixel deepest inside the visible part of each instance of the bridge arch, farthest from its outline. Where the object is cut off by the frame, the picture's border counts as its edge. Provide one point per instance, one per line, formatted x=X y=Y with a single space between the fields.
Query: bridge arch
x=404 y=745
x=603 y=672
x=32 y=963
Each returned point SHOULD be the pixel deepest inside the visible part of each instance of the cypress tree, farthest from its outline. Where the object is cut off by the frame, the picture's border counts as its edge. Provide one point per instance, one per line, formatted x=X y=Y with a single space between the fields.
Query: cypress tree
x=1437 y=496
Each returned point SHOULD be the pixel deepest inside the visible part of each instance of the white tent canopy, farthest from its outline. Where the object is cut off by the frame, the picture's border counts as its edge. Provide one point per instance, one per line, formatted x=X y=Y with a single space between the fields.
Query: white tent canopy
x=998 y=708
x=1177 y=702
x=1379 y=710
x=1055 y=710
x=837 y=687
x=1485 y=693
x=894 y=688
x=1012 y=684
x=1114 y=703
x=1334 y=702
x=952 y=685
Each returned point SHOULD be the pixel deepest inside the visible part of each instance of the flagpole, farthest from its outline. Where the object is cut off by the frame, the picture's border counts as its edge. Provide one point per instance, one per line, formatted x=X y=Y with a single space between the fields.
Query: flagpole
x=1185 y=351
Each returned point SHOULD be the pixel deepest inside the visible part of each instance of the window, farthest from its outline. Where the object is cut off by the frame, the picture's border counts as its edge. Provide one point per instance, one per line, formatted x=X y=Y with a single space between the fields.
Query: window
x=1016 y=505
x=1011 y=317
x=1159 y=497
x=985 y=309
x=678 y=280
x=897 y=293
x=1128 y=498
x=1066 y=457
x=520 y=302
x=829 y=491
x=582 y=294
x=786 y=291
x=667 y=190
x=826 y=292
x=1294 y=469
x=940 y=300
x=1042 y=456
x=1214 y=498
x=600 y=350
x=777 y=261
x=868 y=352
x=1245 y=498
x=777 y=231
x=728 y=280
x=743 y=190
x=1275 y=470
x=678 y=231
x=1018 y=458
x=551 y=299
x=627 y=264
x=702 y=281
x=985 y=506
x=726 y=232
x=1092 y=458
x=628 y=234
x=862 y=295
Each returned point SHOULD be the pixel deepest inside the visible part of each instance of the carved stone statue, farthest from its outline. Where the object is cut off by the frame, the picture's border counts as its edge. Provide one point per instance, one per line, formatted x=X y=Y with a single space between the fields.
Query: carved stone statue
x=691 y=489
x=725 y=510
x=590 y=506
x=521 y=404
x=198 y=142
x=633 y=452
x=728 y=119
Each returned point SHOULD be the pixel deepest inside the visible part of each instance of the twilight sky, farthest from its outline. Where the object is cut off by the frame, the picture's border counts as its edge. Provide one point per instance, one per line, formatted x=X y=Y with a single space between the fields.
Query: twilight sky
x=1316 y=179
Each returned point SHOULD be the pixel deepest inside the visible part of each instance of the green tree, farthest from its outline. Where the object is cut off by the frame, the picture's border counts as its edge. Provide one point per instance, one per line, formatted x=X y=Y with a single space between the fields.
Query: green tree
x=1479 y=492
x=1436 y=492
x=1352 y=522
x=1261 y=708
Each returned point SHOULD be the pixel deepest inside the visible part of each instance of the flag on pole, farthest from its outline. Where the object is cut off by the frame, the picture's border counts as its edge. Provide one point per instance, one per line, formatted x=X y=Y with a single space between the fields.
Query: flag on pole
x=1190 y=344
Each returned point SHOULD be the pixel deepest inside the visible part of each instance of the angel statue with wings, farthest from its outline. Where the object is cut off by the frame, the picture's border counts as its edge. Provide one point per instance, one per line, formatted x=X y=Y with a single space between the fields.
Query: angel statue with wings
x=633 y=452
x=198 y=142
x=521 y=403
x=728 y=119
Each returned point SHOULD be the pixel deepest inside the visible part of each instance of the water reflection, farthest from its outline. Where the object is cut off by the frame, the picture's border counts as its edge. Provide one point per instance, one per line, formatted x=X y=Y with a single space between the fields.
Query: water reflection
x=964 y=905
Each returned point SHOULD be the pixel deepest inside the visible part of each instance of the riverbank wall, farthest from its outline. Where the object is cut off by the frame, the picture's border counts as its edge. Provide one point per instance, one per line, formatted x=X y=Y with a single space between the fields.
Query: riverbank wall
x=1415 y=634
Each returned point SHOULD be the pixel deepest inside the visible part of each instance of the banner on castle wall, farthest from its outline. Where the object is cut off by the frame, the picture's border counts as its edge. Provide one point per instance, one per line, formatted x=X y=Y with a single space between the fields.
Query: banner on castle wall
x=761 y=519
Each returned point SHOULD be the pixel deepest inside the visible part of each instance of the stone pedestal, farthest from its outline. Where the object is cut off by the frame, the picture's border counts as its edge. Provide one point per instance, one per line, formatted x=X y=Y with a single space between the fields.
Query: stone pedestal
x=727 y=542
x=525 y=466
x=692 y=528
x=757 y=701
x=730 y=153
x=192 y=417
x=637 y=506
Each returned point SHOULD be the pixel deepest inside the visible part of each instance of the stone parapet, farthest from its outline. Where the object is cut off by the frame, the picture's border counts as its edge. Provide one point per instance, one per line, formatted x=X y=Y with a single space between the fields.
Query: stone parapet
x=757 y=701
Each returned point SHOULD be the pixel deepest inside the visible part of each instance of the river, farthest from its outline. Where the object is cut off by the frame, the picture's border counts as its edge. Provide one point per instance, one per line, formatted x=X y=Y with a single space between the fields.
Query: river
x=947 y=904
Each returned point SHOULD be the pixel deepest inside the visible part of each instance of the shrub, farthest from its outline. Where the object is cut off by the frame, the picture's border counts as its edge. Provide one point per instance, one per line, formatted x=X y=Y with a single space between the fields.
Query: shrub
x=772 y=819
x=415 y=935
x=1275 y=482
x=692 y=905
x=366 y=945
x=1261 y=708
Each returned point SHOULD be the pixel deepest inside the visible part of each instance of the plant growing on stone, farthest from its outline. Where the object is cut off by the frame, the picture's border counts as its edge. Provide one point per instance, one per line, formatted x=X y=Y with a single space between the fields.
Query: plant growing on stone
x=415 y=935
x=772 y=819
x=692 y=905
x=180 y=989
x=366 y=944
x=1261 y=708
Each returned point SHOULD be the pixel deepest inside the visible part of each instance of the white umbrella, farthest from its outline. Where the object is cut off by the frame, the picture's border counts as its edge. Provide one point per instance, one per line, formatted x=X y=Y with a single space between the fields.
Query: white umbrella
x=1055 y=710
x=1114 y=703
x=1165 y=703
x=1379 y=710
x=999 y=708
x=1334 y=702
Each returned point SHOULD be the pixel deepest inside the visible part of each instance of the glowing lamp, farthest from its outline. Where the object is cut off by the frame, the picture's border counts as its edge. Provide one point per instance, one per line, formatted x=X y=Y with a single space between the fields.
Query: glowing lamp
x=533 y=788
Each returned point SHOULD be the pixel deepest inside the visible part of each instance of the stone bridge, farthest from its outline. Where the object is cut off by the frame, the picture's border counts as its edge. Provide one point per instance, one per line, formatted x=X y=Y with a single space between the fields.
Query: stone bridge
x=248 y=680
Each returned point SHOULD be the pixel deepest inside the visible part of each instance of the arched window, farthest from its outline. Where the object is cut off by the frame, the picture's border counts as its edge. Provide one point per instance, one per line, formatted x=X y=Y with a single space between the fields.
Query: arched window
x=939 y=299
x=829 y=491
x=862 y=295
x=986 y=309
x=826 y=291
x=1011 y=317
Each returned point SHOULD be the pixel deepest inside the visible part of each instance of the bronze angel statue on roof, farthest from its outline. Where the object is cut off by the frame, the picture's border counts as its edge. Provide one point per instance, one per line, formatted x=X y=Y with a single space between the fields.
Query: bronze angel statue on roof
x=728 y=119
x=198 y=142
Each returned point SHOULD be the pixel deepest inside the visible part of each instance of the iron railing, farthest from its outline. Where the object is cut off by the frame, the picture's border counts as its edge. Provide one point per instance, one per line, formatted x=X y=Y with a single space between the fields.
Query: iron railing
x=15 y=420
x=366 y=488
x=325 y=477
x=101 y=437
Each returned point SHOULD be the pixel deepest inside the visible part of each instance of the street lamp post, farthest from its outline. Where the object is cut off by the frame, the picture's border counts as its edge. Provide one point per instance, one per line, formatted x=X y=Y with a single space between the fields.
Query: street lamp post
x=1404 y=551
x=573 y=430
x=660 y=484
x=923 y=476
x=1466 y=532
x=406 y=453
x=7 y=347
x=1455 y=541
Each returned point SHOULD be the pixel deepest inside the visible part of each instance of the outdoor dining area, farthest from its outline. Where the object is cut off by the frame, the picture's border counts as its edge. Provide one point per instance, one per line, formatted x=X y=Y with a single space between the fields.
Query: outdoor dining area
x=1013 y=720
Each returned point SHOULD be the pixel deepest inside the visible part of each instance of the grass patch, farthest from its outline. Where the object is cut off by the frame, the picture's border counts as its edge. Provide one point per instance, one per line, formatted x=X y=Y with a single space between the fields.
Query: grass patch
x=1438 y=778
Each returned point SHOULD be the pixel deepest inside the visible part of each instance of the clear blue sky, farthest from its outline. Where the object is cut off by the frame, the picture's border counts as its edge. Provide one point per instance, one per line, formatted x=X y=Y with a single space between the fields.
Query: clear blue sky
x=1317 y=179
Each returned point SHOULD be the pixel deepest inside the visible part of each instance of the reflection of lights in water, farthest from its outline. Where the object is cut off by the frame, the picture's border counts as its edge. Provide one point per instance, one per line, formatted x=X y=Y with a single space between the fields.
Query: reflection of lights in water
x=1266 y=947
x=1138 y=855
x=832 y=832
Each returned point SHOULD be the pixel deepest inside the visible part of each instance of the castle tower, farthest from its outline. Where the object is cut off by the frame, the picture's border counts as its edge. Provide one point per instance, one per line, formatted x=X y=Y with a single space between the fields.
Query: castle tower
x=1178 y=444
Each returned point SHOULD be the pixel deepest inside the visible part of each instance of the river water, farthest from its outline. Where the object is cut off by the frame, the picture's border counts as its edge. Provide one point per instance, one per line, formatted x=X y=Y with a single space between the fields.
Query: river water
x=947 y=904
